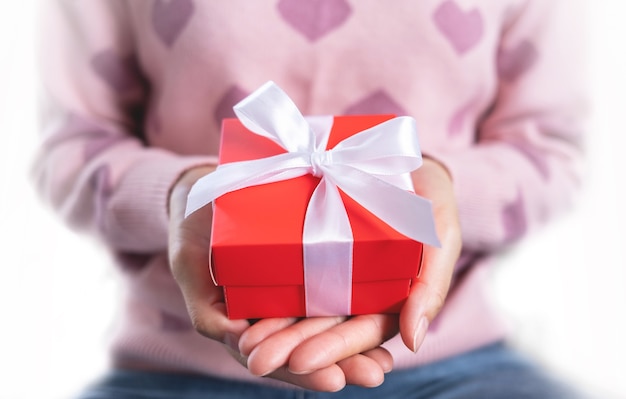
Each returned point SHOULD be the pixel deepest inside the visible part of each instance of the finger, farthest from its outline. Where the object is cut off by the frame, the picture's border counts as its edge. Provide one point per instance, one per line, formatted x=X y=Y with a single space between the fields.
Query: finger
x=329 y=379
x=430 y=288
x=210 y=320
x=262 y=330
x=428 y=291
x=275 y=350
x=362 y=370
x=381 y=356
x=358 y=334
x=356 y=370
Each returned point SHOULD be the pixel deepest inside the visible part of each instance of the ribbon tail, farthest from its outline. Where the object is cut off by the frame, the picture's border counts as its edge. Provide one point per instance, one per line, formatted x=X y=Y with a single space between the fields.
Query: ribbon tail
x=327 y=248
x=406 y=212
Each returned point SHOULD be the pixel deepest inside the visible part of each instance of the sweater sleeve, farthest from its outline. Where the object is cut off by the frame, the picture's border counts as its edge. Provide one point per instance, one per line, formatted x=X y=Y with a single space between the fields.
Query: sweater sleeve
x=94 y=166
x=525 y=164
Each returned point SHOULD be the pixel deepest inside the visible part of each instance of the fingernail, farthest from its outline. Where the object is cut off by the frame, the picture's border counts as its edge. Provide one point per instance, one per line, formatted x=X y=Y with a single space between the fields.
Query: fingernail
x=232 y=341
x=300 y=372
x=420 y=333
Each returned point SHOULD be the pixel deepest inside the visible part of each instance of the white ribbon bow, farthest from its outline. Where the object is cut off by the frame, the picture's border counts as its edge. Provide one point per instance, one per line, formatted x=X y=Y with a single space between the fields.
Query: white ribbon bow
x=372 y=167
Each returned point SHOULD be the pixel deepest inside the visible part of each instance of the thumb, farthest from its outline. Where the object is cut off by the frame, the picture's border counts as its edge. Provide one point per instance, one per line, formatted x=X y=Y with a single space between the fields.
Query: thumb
x=189 y=256
x=427 y=296
x=430 y=287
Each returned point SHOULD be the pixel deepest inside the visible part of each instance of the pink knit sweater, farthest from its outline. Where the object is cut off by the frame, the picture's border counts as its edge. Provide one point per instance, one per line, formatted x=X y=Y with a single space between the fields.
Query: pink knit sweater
x=136 y=90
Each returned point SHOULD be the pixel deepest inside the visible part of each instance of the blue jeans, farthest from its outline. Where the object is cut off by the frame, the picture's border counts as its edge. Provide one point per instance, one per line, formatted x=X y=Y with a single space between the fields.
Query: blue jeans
x=494 y=371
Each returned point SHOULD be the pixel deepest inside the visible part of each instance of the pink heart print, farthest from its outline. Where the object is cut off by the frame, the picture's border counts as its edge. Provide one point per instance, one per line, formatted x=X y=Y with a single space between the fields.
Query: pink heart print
x=119 y=71
x=169 y=18
x=314 y=18
x=516 y=60
x=514 y=220
x=102 y=190
x=378 y=102
x=462 y=28
x=224 y=108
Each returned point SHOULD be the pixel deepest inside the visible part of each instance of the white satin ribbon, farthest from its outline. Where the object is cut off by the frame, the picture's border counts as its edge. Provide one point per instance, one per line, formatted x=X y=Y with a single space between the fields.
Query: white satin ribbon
x=372 y=167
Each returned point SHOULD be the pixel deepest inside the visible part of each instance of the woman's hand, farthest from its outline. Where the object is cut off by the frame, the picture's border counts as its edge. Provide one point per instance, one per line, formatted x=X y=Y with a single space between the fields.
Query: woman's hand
x=266 y=347
x=319 y=343
x=189 y=253
x=430 y=288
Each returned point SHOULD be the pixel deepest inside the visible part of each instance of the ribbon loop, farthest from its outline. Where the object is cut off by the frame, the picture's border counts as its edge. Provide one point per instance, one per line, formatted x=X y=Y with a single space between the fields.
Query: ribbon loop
x=270 y=113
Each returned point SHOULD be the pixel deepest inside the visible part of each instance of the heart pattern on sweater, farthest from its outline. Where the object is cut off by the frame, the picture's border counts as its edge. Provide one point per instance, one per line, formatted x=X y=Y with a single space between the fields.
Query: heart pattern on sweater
x=514 y=220
x=169 y=18
x=314 y=18
x=378 y=102
x=463 y=29
x=119 y=72
x=224 y=108
x=102 y=190
x=513 y=62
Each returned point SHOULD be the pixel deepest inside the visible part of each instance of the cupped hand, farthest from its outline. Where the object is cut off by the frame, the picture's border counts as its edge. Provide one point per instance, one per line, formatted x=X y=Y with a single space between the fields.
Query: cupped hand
x=318 y=343
x=266 y=347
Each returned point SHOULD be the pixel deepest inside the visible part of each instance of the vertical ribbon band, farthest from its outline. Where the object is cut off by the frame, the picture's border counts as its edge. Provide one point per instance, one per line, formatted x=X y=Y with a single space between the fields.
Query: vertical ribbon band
x=372 y=167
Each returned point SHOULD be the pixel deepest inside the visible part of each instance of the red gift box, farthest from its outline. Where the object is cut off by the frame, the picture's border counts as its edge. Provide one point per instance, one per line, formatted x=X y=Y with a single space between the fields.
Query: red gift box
x=257 y=249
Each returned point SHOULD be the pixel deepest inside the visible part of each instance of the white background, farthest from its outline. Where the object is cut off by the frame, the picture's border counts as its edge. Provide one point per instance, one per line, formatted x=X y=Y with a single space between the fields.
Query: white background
x=564 y=289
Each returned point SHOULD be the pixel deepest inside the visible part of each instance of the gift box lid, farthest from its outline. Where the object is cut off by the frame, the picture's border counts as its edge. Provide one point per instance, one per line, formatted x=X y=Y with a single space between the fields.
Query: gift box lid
x=259 y=228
